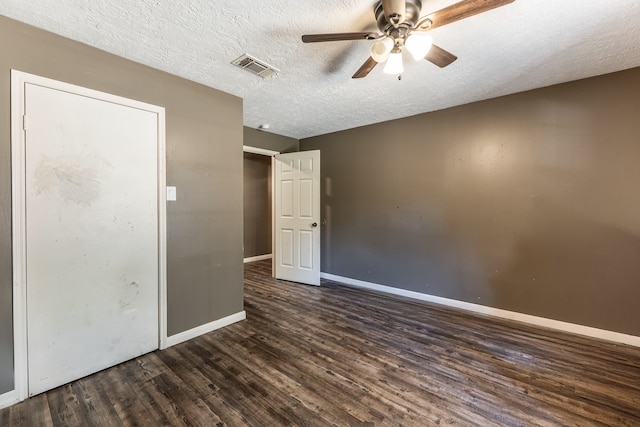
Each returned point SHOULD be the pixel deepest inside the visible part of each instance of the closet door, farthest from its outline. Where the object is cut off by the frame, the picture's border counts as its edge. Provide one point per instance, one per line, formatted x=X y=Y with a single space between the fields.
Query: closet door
x=92 y=264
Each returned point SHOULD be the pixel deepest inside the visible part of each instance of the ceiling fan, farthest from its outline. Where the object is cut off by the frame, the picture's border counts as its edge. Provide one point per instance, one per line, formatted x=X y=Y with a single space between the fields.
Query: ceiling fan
x=401 y=26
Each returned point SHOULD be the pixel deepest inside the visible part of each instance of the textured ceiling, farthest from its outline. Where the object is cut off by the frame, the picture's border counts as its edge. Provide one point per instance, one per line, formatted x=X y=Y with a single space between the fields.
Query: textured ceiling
x=524 y=45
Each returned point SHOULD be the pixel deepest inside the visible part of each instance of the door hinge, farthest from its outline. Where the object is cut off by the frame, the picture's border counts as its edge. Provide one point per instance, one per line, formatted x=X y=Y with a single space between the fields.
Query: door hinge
x=24 y=122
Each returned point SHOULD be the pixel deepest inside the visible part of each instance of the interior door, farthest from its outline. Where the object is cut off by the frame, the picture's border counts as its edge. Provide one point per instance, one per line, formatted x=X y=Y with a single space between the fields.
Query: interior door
x=297 y=217
x=92 y=248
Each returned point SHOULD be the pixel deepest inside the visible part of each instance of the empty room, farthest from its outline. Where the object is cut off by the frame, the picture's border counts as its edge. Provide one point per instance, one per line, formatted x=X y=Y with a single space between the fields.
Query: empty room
x=348 y=213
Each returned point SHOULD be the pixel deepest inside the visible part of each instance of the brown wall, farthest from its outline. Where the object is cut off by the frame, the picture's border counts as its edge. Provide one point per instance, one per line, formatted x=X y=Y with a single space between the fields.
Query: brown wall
x=204 y=146
x=528 y=202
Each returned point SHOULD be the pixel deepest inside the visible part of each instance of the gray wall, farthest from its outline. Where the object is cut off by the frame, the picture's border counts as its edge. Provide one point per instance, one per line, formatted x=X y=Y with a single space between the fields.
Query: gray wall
x=257 y=205
x=528 y=202
x=204 y=146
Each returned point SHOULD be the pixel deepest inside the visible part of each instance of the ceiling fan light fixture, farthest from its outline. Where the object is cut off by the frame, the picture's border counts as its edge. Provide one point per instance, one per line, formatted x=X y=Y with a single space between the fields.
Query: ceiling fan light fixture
x=418 y=44
x=380 y=49
x=394 y=62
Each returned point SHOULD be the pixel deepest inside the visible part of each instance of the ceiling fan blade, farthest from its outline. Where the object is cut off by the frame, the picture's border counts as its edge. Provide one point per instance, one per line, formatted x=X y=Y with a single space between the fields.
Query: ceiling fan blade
x=394 y=7
x=439 y=56
x=333 y=37
x=462 y=10
x=365 y=69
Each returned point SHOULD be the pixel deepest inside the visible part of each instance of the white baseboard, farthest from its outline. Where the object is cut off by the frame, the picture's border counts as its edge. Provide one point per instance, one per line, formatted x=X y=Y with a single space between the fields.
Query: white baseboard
x=7 y=399
x=203 y=329
x=505 y=314
x=258 y=258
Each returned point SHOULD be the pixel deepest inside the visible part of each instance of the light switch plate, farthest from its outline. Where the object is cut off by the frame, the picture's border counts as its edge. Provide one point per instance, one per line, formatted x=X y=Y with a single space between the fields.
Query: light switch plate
x=171 y=194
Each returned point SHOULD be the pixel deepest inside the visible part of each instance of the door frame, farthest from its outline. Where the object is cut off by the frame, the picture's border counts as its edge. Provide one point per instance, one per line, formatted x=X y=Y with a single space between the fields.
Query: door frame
x=272 y=154
x=18 y=210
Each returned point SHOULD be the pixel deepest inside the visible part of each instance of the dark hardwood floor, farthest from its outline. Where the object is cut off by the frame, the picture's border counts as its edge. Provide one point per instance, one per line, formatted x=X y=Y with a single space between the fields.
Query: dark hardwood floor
x=338 y=355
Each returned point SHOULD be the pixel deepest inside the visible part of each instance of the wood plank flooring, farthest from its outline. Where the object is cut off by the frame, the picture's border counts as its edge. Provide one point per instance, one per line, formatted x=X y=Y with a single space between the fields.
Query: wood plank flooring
x=343 y=356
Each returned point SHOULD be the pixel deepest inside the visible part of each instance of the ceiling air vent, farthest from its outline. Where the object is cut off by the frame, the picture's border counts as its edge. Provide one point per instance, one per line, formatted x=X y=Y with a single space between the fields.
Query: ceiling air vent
x=255 y=66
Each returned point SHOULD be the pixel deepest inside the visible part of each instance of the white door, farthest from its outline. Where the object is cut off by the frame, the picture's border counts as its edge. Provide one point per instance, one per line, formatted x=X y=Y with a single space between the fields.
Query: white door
x=297 y=217
x=92 y=239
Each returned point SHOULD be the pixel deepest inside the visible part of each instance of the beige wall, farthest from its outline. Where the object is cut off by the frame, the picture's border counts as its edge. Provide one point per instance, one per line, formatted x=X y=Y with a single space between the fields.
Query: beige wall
x=204 y=160
x=528 y=202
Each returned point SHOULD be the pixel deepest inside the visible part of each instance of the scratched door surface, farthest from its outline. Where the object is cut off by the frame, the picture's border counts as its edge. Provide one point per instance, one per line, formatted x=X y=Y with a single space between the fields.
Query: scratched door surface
x=91 y=235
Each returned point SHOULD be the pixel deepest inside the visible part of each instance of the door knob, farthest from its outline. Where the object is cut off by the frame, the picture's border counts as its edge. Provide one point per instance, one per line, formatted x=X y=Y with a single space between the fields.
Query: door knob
x=315 y=224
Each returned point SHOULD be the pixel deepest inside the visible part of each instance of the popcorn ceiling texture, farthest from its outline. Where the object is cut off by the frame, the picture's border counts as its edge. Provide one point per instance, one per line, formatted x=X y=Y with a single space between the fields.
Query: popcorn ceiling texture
x=521 y=46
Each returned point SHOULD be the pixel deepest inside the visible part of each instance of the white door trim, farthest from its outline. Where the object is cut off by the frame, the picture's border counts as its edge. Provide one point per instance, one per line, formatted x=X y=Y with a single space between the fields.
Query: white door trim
x=18 y=210
x=261 y=151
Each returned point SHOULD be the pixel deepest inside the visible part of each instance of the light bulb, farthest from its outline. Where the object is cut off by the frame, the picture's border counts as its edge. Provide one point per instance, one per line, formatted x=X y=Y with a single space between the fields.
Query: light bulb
x=380 y=49
x=418 y=44
x=394 y=62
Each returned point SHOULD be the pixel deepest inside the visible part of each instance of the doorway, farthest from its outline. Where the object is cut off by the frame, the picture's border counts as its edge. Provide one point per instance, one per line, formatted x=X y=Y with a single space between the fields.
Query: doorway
x=295 y=210
x=258 y=206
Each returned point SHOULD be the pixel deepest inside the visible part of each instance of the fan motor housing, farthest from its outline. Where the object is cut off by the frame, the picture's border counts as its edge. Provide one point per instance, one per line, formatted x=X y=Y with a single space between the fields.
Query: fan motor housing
x=413 y=8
